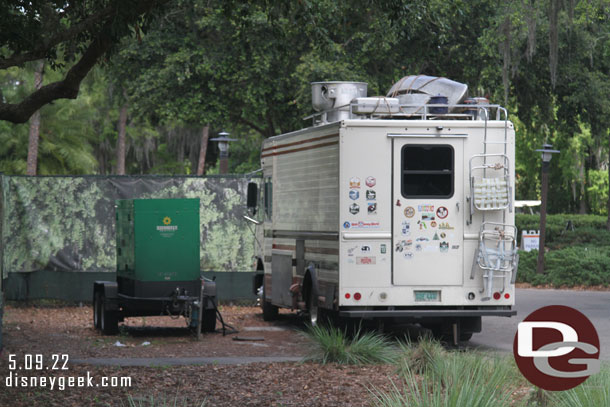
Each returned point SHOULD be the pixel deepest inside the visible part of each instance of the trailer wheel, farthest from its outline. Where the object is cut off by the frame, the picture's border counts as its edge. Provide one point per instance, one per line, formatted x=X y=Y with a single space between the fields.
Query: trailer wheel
x=109 y=321
x=270 y=311
x=97 y=310
x=208 y=322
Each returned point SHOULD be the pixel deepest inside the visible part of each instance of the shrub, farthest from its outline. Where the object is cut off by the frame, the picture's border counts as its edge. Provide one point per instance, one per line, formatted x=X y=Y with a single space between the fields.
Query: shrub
x=456 y=380
x=571 y=266
x=331 y=345
x=421 y=356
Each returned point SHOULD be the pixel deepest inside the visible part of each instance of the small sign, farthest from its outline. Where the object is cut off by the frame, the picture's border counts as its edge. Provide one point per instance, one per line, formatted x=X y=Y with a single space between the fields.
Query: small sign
x=530 y=240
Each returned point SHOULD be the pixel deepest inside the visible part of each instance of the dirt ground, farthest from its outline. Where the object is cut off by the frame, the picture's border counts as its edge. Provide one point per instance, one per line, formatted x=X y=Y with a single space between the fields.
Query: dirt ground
x=69 y=330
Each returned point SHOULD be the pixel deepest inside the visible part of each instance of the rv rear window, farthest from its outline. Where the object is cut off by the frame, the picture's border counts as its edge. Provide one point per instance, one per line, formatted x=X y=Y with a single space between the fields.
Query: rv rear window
x=427 y=171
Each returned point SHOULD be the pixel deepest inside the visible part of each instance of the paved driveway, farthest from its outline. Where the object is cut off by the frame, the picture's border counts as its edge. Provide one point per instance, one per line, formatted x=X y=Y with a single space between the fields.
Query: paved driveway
x=498 y=333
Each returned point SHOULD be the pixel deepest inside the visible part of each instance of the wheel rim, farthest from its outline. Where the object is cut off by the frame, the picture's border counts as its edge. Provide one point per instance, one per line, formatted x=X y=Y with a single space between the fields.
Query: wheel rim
x=96 y=311
x=102 y=319
x=313 y=311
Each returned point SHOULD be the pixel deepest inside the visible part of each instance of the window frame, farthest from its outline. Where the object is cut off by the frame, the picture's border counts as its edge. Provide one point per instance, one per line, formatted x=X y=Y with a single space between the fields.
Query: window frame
x=404 y=172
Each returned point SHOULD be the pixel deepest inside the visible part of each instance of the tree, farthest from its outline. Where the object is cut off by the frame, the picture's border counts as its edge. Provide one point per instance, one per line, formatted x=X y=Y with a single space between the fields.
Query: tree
x=79 y=33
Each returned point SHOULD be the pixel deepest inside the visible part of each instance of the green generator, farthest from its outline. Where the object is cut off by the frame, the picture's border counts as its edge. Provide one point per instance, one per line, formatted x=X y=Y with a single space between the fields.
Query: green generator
x=158 y=266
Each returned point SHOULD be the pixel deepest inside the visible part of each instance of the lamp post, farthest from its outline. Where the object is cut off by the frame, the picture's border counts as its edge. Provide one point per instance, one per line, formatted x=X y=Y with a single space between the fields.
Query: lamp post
x=547 y=153
x=223 y=145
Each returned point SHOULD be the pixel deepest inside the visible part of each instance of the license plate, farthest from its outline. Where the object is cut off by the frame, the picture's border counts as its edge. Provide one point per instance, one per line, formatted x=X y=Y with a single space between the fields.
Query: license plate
x=425 y=296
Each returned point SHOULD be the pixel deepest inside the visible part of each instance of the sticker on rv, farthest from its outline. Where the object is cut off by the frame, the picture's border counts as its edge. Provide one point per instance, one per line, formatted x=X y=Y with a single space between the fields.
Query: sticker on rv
x=445 y=225
x=436 y=237
x=409 y=211
x=427 y=216
x=425 y=208
x=372 y=208
x=382 y=248
x=444 y=246
x=354 y=209
x=442 y=212
x=370 y=181
x=433 y=224
x=366 y=260
x=364 y=225
x=408 y=255
x=399 y=204
x=346 y=225
x=405 y=228
x=353 y=194
x=354 y=182
x=370 y=195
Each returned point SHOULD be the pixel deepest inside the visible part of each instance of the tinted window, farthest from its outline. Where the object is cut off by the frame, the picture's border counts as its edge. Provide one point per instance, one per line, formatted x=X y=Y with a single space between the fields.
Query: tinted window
x=427 y=171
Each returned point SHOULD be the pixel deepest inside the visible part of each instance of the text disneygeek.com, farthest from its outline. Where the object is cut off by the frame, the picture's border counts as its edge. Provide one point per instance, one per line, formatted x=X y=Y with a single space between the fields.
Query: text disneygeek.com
x=27 y=372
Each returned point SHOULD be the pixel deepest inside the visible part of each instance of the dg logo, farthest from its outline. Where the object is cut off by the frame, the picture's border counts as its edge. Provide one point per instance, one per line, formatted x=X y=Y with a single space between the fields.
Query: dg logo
x=556 y=348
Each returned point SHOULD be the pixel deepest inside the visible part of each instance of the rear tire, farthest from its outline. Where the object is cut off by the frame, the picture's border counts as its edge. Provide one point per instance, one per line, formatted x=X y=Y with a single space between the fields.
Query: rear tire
x=109 y=321
x=270 y=311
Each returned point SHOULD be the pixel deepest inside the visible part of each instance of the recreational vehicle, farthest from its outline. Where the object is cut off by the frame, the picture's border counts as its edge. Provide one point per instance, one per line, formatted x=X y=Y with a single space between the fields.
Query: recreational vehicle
x=390 y=208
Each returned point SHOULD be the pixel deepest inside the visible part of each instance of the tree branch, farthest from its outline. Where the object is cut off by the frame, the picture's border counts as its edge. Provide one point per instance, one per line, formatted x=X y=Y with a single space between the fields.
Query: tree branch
x=41 y=51
x=66 y=89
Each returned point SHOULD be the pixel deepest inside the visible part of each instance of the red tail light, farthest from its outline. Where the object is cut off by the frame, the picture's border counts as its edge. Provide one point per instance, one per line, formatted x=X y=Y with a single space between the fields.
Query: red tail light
x=347 y=296
x=497 y=296
x=357 y=296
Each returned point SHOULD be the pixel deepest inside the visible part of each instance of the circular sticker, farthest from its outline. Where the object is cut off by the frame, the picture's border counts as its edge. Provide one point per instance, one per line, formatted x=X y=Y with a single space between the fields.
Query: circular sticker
x=409 y=211
x=433 y=223
x=442 y=212
x=370 y=181
x=556 y=348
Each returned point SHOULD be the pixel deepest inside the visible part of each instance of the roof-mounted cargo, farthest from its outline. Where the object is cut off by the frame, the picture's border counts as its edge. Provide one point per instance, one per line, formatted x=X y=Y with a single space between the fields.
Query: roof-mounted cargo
x=418 y=97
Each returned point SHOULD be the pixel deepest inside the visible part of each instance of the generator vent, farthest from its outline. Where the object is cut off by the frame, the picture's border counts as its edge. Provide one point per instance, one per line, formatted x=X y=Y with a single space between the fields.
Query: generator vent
x=333 y=99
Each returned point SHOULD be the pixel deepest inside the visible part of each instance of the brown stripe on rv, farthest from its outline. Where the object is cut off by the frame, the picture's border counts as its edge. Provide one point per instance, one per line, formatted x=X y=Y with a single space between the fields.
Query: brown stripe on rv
x=319 y=250
x=300 y=149
x=311 y=140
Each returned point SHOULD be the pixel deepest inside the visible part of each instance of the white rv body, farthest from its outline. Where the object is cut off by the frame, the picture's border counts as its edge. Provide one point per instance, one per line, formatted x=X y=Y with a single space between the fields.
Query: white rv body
x=348 y=229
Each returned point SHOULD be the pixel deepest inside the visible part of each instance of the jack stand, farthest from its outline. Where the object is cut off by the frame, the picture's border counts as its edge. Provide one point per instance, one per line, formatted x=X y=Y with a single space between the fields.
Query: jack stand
x=456 y=336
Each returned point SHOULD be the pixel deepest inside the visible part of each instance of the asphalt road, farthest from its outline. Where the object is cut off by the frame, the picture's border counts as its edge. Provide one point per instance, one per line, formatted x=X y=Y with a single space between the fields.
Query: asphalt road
x=498 y=332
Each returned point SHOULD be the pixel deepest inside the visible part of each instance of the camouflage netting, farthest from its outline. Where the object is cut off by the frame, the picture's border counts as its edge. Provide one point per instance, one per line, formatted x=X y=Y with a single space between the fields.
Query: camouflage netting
x=67 y=223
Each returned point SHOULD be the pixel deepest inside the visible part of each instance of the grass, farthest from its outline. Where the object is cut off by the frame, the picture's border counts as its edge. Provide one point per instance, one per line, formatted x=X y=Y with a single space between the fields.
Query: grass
x=594 y=392
x=332 y=345
x=452 y=379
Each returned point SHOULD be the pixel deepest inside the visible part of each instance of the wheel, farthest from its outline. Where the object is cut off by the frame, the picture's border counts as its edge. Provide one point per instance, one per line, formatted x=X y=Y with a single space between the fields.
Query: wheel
x=317 y=315
x=270 y=311
x=97 y=310
x=109 y=321
x=208 y=322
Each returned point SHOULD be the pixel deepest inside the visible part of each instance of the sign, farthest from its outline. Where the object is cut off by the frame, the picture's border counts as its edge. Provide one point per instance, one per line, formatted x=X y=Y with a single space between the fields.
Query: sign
x=530 y=240
x=556 y=348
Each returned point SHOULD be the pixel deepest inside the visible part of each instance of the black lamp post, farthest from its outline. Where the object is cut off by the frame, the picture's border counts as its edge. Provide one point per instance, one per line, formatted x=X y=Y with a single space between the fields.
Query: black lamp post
x=547 y=153
x=223 y=145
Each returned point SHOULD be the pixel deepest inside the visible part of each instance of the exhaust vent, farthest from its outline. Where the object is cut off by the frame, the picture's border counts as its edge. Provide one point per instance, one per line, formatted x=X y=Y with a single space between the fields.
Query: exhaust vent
x=333 y=98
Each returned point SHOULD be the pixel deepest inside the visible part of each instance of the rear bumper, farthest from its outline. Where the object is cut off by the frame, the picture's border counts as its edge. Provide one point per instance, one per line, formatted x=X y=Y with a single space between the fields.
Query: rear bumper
x=428 y=313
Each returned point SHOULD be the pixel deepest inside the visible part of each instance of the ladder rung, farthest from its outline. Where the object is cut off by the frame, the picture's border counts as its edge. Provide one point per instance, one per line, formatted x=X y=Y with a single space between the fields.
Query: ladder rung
x=495 y=142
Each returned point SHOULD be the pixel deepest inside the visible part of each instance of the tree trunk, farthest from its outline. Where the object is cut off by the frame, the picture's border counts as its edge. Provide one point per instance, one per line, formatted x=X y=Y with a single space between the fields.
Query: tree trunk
x=204 y=147
x=32 y=162
x=608 y=204
x=120 y=145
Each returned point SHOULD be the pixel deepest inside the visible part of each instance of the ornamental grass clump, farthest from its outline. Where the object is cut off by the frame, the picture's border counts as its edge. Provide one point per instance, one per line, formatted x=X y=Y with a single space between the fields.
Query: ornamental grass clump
x=419 y=357
x=594 y=392
x=455 y=380
x=332 y=345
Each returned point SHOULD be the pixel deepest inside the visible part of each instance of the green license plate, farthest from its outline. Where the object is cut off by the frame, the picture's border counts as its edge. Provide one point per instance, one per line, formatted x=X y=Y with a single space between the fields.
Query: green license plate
x=427 y=296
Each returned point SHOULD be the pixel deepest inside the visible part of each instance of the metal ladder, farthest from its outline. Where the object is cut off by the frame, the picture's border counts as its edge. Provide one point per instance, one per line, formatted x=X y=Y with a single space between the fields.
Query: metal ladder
x=491 y=190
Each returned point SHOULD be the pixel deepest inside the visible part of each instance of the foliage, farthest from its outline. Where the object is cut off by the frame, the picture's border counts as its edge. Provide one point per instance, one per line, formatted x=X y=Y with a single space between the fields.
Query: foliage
x=458 y=379
x=598 y=191
x=592 y=393
x=421 y=357
x=568 y=267
x=78 y=33
x=332 y=345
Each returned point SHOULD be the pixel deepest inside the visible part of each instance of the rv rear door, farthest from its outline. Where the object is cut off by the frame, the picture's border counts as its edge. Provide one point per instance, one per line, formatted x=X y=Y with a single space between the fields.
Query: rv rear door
x=428 y=211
